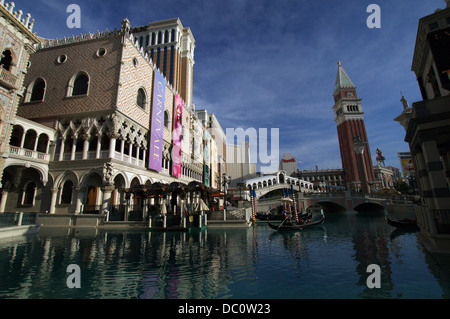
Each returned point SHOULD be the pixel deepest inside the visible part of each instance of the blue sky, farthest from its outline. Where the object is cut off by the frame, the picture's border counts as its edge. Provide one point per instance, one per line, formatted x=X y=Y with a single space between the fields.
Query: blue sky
x=273 y=64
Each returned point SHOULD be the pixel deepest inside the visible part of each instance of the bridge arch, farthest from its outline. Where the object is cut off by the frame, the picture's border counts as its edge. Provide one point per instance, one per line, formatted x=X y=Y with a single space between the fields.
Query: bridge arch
x=370 y=207
x=329 y=207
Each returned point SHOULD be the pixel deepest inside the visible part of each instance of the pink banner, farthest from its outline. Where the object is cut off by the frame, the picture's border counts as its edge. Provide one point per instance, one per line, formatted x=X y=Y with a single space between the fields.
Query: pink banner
x=177 y=136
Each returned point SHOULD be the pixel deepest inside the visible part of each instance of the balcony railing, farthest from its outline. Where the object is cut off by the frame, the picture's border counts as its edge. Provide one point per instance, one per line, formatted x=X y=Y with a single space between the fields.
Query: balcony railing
x=7 y=79
x=15 y=150
x=18 y=219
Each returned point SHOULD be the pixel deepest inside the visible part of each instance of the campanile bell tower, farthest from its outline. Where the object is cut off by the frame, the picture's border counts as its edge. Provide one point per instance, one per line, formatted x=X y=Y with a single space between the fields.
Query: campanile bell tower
x=353 y=143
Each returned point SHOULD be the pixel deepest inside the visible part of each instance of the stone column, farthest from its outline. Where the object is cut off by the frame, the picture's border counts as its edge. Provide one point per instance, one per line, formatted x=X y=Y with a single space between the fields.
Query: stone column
x=79 y=198
x=85 y=146
x=426 y=191
x=74 y=147
x=3 y=201
x=138 y=149
x=107 y=190
x=53 y=200
x=36 y=140
x=112 y=146
x=436 y=177
x=122 y=148
x=422 y=177
x=61 y=149
x=22 y=141
x=99 y=145
x=130 y=152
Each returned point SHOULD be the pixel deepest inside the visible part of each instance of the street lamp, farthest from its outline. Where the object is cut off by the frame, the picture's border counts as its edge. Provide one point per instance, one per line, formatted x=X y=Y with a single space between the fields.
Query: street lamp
x=225 y=180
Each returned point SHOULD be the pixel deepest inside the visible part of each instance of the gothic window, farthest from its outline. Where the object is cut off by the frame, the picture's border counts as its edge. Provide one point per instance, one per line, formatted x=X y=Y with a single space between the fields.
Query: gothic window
x=93 y=144
x=104 y=143
x=80 y=144
x=118 y=147
x=38 y=90
x=79 y=84
x=66 y=193
x=141 y=99
x=68 y=144
x=6 y=60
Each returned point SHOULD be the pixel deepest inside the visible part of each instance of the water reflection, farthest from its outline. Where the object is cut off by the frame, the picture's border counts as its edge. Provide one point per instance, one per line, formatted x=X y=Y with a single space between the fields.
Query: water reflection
x=329 y=261
x=370 y=237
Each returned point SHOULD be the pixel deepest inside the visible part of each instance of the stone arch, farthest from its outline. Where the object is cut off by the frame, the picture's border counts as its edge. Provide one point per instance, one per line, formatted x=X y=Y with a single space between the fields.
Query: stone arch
x=136 y=180
x=17 y=134
x=66 y=175
x=8 y=59
x=92 y=182
x=118 y=195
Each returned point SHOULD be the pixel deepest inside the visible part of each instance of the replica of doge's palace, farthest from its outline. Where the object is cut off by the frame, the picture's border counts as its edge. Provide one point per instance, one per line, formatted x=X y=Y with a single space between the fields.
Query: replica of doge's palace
x=103 y=112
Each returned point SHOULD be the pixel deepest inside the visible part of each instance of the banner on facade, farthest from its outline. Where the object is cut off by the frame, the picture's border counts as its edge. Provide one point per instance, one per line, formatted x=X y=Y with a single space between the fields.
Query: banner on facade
x=157 y=124
x=177 y=136
x=212 y=169
x=206 y=158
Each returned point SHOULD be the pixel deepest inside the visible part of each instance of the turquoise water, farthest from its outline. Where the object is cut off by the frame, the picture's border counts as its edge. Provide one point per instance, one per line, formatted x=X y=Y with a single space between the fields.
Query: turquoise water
x=329 y=261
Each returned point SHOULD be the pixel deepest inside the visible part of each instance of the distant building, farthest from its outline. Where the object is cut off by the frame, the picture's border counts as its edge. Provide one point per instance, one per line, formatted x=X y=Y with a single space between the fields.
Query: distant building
x=239 y=164
x=353 y=142
x=385 y=176
x=288 y=163
x=406 y=163
x=171 y=47
x=218 y=149
x=324 y=180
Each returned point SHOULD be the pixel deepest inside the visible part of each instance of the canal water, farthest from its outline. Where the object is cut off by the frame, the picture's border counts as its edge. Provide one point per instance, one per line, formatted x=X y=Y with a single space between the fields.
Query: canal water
x=328 y=261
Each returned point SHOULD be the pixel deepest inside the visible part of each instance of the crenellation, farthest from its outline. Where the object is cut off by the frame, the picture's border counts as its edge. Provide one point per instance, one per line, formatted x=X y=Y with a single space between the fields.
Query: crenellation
x=18 y=15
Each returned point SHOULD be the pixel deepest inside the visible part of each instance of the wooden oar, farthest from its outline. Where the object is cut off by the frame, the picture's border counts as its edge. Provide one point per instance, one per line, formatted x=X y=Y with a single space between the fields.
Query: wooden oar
x=282 y=223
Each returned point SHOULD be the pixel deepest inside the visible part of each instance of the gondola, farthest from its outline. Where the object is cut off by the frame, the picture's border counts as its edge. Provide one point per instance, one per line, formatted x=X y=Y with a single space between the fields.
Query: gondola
x=284 y=227
x=405 y=224
x=270 y=216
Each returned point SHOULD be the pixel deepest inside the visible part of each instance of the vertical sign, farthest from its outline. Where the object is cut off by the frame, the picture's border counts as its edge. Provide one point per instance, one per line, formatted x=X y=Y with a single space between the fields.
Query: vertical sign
x=212 y=168
x=177 y=136
x=157 y=128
